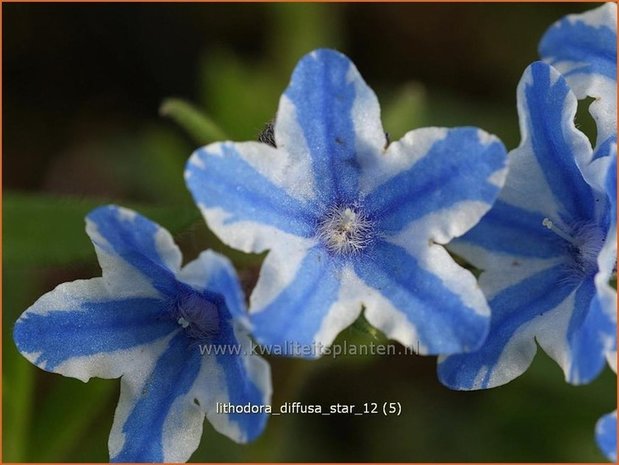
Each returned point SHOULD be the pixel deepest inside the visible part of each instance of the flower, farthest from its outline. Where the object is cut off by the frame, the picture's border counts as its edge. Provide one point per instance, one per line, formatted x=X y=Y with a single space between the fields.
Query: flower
x=350 y=220
x=583 y=47
x=548 y=248
x=148 y=321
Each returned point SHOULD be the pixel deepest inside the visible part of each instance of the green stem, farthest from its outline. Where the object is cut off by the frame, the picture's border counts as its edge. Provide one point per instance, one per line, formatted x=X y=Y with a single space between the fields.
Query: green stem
x=199 y=126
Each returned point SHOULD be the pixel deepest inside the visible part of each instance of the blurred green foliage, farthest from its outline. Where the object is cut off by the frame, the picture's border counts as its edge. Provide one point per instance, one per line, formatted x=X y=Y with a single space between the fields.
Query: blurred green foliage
x=538 y=417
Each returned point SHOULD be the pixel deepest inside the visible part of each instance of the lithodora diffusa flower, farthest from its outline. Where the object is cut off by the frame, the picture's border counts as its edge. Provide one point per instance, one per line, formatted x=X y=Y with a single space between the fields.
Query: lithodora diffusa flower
x=349 y=221
x=548 y=247
x=151 y=323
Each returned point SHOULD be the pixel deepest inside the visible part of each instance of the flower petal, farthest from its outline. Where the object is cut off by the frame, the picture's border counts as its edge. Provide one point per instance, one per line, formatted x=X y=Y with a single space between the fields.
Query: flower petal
x=606 y=435
x=156 y=418
x=238 y=377
x=547 y=108
x=591 y=334
x=242 y=193
x=433 y=169
x=132 y=250
x=216 y=273
x=535 y=305
x=583 y=47
x=328 y=120
x=82 y=330
x=437 y=300
x=306 y=313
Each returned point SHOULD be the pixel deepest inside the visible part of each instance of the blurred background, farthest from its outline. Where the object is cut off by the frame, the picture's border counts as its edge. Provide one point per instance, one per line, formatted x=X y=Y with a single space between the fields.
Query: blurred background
x=83 y=87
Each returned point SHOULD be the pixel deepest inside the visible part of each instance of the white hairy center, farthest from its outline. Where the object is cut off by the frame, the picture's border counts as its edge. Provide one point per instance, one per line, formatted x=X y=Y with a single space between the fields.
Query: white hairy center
x=345 y=230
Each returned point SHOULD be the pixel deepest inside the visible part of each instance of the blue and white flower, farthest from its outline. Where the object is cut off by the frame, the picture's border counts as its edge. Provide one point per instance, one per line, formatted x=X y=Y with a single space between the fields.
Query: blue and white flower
x=548 y=248
x=174 y=336
x=351 y=221
x=583 y=47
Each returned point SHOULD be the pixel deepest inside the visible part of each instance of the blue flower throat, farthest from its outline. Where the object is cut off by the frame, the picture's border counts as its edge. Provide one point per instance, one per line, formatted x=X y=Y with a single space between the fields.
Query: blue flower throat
x=197 y=314
x=584 y=242
x=345 y=230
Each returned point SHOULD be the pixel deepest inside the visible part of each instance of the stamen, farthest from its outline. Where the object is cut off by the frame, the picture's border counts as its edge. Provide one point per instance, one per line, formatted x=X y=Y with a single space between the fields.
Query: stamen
x=585 y=241
x=345 y=230
x=558 y=231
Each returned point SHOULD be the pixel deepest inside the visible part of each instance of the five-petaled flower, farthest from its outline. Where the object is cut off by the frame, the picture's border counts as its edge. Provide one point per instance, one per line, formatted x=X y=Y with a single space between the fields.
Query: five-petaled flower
x=350 y=220
x=548 y=247
x=146 y=320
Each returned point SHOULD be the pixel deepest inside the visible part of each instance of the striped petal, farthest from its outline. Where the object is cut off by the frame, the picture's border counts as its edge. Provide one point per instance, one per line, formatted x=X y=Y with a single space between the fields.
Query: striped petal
x=547 y=108
x=533 y=306
x=221 y=371
x=606 y=435
x=132 y=250
x=245 y=194
x=583 y=47
x=156 y=419
x=236 y=376
x=308 y=312
x=327 y=121
x=429 y=175
x=427 y=301
x=82 y=329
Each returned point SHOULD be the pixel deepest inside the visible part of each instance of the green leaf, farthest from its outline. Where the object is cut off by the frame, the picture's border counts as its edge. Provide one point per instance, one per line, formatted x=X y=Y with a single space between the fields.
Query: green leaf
x=73 y=406
x=18 y=373
x=44 y=230
x=197 y=124
x=241 y=95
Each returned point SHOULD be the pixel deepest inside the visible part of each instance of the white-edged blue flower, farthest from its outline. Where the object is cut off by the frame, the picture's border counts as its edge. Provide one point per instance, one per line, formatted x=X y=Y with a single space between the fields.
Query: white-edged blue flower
x=548 y=248
x=153 y=324
x=350 y=220
x=583 y=47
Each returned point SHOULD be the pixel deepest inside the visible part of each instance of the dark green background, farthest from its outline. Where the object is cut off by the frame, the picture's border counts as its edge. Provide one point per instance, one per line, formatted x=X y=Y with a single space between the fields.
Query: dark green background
x=82 y=85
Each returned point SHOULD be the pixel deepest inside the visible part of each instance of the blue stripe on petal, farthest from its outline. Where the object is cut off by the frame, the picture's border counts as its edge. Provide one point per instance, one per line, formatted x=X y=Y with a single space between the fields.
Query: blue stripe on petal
x=296 y=314
x=604 y=148
x=455 y=169
x=443 y=322
x=240 y=388
x=222 y=178
x=588 y=333
x=323 y=97
x=593 y=49
x=133 y=238
x=545 y=101
x=515 y=231
x=93 y=328
x=511 y=309
x=172 y=377
x=606 y=435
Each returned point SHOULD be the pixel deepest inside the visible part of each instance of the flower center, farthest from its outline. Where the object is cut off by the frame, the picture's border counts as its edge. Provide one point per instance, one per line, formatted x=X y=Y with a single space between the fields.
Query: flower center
x=584 y=243
x=345 y=230
x=197 y=315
